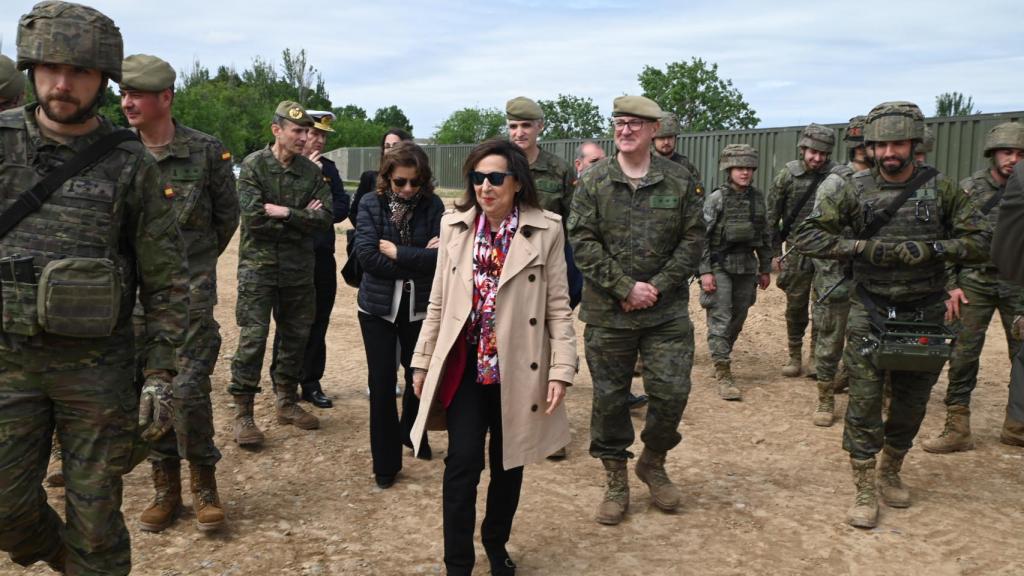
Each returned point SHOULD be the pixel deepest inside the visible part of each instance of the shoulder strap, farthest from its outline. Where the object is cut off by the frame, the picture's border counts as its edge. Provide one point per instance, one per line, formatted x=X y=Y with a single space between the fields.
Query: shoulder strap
x=32 y=199
x=787 y=224
x=882 y=217
x=993 y=201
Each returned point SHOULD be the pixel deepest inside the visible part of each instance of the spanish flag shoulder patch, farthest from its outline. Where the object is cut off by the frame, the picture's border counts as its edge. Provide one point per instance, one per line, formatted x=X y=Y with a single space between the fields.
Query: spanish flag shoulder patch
x=226 y=155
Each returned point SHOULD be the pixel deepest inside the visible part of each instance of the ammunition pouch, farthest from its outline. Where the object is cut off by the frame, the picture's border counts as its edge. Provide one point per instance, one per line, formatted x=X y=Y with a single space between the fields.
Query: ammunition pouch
x=20 y=290
x=79 y=297
x=740 y=233
x=911 y=344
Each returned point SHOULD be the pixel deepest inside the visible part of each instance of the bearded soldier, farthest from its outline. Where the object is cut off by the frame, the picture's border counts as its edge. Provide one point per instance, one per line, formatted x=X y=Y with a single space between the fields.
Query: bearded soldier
x=907 y=222
x=84 y=228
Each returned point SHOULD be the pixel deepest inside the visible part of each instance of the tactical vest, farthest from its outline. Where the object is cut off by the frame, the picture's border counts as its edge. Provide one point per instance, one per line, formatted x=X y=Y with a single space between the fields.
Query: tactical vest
x=801 y=179
x=81 y=219
x=739 y=230
x=920 y=218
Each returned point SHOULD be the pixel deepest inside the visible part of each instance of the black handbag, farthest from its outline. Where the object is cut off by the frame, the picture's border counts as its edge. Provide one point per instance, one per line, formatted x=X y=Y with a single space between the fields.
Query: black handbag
x=351 y=272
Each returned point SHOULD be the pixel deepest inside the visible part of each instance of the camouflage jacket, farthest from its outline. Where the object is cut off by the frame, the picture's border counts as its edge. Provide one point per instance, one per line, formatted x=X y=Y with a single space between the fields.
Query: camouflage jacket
x=936 y=213
x=113 y=210
x=553 y=178
x=786 y=190
x=720 y=254
x=620 y=236
x=685 y=162
x=274 y=251
x=981 y=188
x=828 y=272
x=196 y=170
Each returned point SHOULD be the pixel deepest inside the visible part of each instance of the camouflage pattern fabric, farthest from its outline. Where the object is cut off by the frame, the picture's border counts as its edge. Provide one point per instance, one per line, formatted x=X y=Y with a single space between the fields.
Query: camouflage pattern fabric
x=985 y=293
x=667 y=350
x=727 y=309
x=196 y=170
x=683 y=161
x=621 y=235
x=275 y=266
x=292 y=308
x=553 y=178
x=83 y=386
x=964 y=235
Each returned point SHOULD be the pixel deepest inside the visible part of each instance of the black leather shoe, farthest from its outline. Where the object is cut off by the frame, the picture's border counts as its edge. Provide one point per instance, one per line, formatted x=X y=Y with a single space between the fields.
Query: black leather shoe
x=501 y=564
x=425 y=452
x=385 y=482
x=317 y=398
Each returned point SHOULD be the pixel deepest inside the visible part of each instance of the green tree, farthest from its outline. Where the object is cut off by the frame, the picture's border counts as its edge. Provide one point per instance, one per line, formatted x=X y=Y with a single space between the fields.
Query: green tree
x=954 y=104
x=571 y=117
x=111 y=108
x=698 y=96
x=470 y=125
x=392 y=117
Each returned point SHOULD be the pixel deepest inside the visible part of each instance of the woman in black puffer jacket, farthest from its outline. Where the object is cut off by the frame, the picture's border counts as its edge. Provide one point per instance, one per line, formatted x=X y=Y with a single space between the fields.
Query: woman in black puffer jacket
x=396 y=244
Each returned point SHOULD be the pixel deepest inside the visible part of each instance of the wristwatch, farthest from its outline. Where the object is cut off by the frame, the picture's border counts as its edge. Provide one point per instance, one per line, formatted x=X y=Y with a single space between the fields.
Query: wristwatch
x=939 y=249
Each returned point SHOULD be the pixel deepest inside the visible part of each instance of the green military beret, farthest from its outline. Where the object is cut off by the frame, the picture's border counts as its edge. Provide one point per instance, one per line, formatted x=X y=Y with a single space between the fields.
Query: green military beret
x=522 y=108
x=293 y=112
x=146 y=73
x=12 y=81
x=638 y=106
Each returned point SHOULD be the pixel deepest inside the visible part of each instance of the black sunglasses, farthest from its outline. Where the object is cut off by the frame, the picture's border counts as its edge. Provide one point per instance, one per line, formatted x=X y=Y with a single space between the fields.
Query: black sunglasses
x=401 y=182
x=495 y=178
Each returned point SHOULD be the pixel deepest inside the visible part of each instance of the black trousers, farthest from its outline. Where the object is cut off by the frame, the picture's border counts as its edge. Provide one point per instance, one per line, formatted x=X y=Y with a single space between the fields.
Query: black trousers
x=475 y=410
x=325 y=283
x=381 y=339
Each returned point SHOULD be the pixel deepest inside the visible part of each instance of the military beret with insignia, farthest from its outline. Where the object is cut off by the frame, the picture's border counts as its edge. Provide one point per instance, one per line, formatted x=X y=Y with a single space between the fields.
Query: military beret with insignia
x=293 y=112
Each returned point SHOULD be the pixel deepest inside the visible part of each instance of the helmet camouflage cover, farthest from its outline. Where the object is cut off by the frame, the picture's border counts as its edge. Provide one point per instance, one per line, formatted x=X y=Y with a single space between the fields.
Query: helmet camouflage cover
x=855 y=131
x=893 y=121
x=669 y=126
x=1006 y=135
x=817 y=137
x=72 y=34
x=737 y=156
x=928 y=142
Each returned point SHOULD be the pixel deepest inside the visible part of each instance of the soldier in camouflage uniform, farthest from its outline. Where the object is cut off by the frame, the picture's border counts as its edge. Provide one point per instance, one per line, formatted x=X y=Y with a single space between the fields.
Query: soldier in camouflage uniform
x=197 y=176
x=736 y=258
x=976 y=292
x=69 y=364
x=284 y=203
x=12 y=84
x=665 y=144
x=635 y=228
x=831 y=287
x=790 y=200
x=927 y=147
x=898 y=273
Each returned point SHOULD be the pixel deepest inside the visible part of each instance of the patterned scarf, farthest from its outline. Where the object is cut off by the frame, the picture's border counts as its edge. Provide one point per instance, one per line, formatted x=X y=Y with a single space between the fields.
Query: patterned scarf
x=488 y=259
x=401 y=214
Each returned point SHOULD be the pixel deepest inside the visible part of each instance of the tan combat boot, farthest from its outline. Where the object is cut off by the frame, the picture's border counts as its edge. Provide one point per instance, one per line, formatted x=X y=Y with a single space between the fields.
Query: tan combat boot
x=289 y=412
x=794 y=367
x=1013 y=432
x=246 y=431
x=613 y=508
x=864 y=513
x=955 y=435
x=893 y=492
x=650 y=469
x=167 y=502
x=825 y=412
x=205 y=500
x=55 y=469
x=727 y=389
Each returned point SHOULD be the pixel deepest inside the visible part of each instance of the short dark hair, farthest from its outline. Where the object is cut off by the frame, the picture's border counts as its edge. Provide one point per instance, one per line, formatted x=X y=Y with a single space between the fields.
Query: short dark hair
x=402 y=135
x=518 y=165
x=409 y=155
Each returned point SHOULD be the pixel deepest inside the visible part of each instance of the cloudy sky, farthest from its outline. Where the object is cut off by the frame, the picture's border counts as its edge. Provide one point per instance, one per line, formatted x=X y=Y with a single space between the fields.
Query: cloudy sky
x=794 y=62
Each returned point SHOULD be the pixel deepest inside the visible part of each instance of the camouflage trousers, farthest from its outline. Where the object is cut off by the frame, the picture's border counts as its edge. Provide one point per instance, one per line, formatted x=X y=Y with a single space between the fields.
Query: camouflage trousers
x=829 y=318
x=293 y=308
x=865 y=432
x=795 y=280
x=192 y=435
x=985 y=295
x=95 y=412
x=611 y=353
x=727 y=310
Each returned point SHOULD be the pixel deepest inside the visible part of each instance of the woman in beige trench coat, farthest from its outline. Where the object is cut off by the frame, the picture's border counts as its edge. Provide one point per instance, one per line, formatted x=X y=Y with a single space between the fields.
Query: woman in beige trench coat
x=497 y=348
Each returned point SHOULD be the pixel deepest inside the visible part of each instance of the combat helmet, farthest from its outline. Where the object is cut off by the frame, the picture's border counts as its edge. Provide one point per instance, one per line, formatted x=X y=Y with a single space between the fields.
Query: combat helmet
x=669 y=126
x=927 y=145
x=817 y=137
x=855 y=131
x=72 y=34
x=737 y=156
x=1005 y=135
x=894 y=121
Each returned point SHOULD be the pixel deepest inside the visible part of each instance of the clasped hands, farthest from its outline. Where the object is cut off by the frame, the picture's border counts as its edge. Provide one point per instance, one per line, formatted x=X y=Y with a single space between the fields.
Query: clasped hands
x=282 y=212
x=882 y=253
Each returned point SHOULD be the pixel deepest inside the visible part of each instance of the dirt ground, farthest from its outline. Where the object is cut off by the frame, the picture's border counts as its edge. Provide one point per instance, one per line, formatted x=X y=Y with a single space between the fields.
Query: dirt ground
x=765 y=491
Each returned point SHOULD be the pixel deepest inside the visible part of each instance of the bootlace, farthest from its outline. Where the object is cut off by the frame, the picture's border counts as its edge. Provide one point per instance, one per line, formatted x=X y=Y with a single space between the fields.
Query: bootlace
x=248 y=422
x=618 y=487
